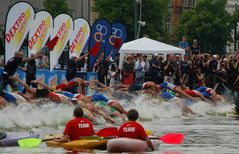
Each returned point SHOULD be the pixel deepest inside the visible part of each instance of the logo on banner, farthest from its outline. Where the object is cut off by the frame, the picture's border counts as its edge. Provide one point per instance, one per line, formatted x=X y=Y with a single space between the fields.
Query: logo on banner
x=62 y=34
x=98 y=37
x=17 y=31
x=39 y=36
x=78 y=41
x=42 y=80
x=100 y=33
x=120 y=35
x=53 y=82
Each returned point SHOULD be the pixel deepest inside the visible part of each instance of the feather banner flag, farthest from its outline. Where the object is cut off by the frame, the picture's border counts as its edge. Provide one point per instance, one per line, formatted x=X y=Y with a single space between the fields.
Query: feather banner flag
x=100 y=32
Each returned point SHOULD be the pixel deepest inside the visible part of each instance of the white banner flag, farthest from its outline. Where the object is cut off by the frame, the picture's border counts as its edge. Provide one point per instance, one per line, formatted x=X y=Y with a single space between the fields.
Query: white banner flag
x=40 y=31
x=79 y=37
x=19 y=19
x=63 y=26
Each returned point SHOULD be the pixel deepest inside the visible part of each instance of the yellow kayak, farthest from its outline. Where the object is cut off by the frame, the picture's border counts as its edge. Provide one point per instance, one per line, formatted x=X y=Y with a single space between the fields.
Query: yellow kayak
x=80 y=144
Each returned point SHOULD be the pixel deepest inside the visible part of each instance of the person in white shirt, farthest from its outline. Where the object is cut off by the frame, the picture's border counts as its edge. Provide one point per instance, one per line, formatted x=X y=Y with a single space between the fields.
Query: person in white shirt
x=147 y=65
x=139 y=70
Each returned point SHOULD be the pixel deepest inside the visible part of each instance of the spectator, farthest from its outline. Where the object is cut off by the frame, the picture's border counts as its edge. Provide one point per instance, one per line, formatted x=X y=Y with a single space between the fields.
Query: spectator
x=169 y=69
x=128 y=71
x=72 y=66
x=103 y=69
x=114 y=75
x=195 y=48
x=139 y=69
x=184 y=45
x=31 y=72
x=177 y=70
x=147 y=66
x=213 y=70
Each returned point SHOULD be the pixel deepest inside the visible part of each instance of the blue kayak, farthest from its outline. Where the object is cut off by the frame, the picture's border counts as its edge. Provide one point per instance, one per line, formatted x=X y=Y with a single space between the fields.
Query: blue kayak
x=11 y=139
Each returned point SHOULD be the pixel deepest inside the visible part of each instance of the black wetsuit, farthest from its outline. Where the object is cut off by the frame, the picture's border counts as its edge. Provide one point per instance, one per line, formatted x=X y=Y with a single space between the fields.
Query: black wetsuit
x=30 y=74
x=71 y=70
x=41 y=93
x=135 y=87
x=9 y=70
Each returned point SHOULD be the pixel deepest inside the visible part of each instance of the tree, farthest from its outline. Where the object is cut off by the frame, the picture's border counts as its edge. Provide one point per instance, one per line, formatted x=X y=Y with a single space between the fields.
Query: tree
x=55 y=7
x=209 y=23
x=154 y=13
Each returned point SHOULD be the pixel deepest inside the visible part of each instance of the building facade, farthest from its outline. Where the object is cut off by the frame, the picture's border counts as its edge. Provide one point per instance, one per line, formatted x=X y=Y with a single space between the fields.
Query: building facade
x=176 y=8
x=231 y=7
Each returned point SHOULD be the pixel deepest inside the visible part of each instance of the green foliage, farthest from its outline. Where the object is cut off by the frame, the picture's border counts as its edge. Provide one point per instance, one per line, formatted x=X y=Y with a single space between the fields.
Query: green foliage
x=209 y=23
x=56 y=7
x=154 y=13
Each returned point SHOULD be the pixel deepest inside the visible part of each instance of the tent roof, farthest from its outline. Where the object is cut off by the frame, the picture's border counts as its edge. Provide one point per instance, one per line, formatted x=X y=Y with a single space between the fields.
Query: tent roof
x=146 y=45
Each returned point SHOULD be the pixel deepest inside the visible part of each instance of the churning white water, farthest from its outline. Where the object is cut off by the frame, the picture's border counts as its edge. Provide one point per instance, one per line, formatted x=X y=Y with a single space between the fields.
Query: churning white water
x=210 y=131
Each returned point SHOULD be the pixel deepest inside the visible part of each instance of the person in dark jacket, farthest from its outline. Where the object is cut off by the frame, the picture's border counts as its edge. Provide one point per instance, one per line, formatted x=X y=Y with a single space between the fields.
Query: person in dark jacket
x=72 y=66
x=31 y=72
x=11 y=67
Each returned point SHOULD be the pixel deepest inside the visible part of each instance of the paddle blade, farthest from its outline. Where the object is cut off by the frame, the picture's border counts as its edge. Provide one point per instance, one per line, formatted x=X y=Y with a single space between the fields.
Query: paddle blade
x=108 y=131
x=29 y=142
x=172 y=138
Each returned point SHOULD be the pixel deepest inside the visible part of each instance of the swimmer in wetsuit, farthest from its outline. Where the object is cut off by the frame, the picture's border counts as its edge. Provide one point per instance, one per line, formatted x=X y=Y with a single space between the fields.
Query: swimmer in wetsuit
x=41 y=93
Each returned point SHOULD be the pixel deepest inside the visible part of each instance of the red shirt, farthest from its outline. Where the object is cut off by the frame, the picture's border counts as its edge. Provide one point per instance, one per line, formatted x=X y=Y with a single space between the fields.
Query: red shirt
x=78 y=127
x=132 y=129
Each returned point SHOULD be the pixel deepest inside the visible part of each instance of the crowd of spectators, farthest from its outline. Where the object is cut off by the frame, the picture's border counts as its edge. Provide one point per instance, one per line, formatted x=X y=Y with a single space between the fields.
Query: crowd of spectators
x=194 y=69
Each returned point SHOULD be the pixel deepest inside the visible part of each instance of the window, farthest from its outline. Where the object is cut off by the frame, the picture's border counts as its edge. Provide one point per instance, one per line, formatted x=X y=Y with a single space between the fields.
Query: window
x=168 y=24
x=170 y=3
x=189 y=3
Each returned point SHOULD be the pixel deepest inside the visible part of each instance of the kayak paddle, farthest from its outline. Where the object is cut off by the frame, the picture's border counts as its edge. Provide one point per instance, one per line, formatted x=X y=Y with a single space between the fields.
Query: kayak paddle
x=30 y=142
x=33 y=142
x=171 y=138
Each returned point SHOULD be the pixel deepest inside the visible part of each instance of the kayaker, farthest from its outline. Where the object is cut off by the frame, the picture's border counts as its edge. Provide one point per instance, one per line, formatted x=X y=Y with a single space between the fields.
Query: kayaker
x=77 y=127
x=132 y=129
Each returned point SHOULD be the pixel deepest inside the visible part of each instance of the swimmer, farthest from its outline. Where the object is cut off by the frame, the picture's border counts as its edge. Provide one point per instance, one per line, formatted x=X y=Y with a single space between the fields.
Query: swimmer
x=41 y=93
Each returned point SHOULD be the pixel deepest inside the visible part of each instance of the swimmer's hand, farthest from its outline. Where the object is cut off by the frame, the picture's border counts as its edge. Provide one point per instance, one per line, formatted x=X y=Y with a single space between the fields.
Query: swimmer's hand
x=34 y=81
x=16 y=78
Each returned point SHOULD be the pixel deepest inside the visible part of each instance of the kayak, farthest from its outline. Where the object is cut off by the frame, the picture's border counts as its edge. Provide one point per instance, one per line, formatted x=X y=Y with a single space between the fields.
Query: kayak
x=2 y=135
x=11 y=139
x=130 y=145
x=80 y=144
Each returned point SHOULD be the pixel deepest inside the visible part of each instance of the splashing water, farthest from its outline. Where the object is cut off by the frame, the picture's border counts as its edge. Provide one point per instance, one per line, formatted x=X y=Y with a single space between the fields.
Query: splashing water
x=25 y=115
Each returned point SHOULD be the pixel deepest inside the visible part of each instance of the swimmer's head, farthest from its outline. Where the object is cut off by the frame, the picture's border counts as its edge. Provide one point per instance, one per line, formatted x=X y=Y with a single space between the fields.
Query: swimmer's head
x=158 y=88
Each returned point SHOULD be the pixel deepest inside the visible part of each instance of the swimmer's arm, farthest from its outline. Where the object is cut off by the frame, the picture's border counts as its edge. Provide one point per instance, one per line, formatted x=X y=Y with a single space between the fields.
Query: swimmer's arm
x=204 y=98
x=185 y=94
x=27 y=98
x=28 y=89
x=37 y=55
x=82 y=57
x=22 y=68
x=45 y=86
x=104 y=87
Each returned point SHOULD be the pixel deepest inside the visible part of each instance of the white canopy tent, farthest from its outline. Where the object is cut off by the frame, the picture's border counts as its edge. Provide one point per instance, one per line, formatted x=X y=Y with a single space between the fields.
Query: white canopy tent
x=147 y=46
